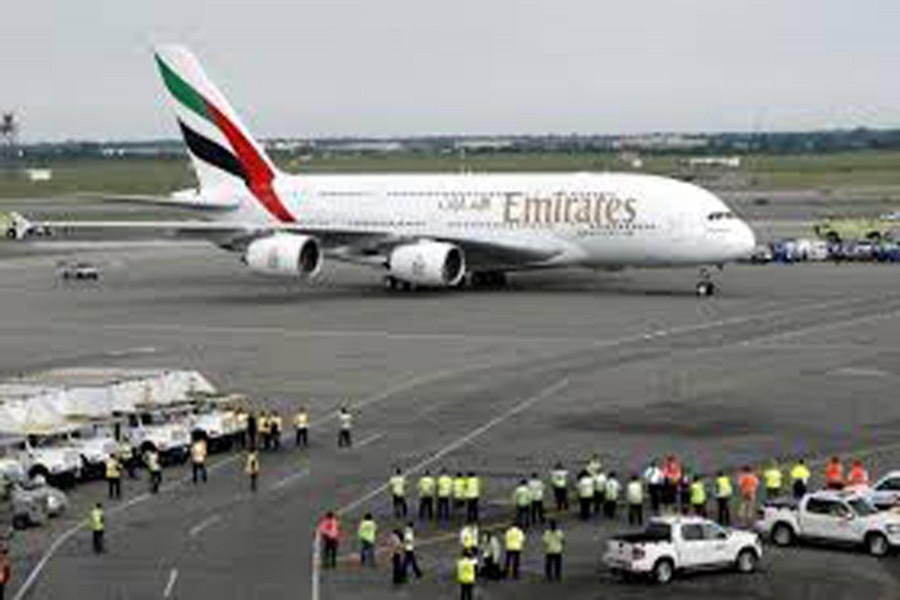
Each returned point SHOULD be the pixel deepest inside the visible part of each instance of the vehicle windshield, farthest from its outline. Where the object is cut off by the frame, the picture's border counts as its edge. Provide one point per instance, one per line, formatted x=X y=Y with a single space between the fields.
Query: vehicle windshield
x=657 y=530
x=862 y=507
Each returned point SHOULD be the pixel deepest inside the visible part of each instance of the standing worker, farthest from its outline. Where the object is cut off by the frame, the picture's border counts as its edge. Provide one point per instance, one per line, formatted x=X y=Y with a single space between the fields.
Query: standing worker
x=276 y=428
x=466 y=566
x=586 y=491
x=301 y=428
x=468 y=537
x=368 y=534
x=559 y=481
x=491 y=556
x=251 y=467
x=800 y=478
x=459 y=493
x=473 y=496
x=151 y=459
x=345 y=438
x=634 y=494
x=653 y=477
x=265 y=430
x=515 y=541
x=426 y=497
x=698 y=496
x=97 y=524
x=600 y=479
x=198 y=460
x=243 y=423
x=397 y=483
x=444 y=494
x=522 y=502
x=723 y=498
x=409 y=551
x=611 y=500
x=748 y=482
x=858 y=476
x=396 y=543
x=773 y=478
x=330 y=534
x=554 y=540
x=834 y=474
x=536 y=490
x=114 y=476
x=252 y=430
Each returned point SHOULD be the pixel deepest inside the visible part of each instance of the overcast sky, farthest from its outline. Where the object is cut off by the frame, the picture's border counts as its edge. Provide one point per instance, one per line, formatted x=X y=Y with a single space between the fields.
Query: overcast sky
x=83 y=69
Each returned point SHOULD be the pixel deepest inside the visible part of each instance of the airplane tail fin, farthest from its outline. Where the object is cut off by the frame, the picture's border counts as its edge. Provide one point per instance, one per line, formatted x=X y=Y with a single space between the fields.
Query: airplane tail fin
x=222 y=151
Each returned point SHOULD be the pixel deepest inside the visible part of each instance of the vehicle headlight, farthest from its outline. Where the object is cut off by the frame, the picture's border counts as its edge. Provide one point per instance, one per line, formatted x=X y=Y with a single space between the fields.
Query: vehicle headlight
x=893 y=528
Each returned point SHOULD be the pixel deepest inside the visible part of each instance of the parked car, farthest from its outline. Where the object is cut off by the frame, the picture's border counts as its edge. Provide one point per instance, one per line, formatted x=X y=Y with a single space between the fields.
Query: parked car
x=885 y=493
x=78 y=271
x=833 y=517
x=672 y=544
x=762 y=255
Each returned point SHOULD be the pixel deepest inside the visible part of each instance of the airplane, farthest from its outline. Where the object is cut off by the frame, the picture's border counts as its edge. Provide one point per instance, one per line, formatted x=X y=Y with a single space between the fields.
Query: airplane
x=422 y=230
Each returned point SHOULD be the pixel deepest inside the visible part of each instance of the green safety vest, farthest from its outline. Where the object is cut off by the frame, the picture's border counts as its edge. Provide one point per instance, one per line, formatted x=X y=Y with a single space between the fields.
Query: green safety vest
x=553 y=541
x=96 y=520
x=368 y=531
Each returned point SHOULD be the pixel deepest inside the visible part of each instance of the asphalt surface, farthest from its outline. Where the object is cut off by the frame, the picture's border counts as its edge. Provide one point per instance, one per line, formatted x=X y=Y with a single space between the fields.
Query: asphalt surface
x=787 y=360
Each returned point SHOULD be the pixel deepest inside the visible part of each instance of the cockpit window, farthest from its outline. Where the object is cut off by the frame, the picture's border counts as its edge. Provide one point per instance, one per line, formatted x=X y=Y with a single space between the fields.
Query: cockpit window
x=718 y=216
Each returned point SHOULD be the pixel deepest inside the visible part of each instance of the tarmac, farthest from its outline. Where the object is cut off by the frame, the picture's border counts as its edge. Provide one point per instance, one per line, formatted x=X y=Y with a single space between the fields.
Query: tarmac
x=787 y=360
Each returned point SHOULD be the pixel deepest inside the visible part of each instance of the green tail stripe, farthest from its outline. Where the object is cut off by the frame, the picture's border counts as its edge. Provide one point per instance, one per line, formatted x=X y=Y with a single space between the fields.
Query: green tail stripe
x=183 y=91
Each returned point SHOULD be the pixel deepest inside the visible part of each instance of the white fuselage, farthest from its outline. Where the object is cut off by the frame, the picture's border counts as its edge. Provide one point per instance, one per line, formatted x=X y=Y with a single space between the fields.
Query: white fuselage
x=585 y=219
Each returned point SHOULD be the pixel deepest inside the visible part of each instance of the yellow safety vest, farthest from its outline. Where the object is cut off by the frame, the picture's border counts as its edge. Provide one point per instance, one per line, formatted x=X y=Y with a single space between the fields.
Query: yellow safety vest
x=252 y=466
x=559 y=478
x=445 y=486
x=469 y=537
x=773 y=478
x=459 y=488
x=723 y=487
x=522 y=496
x=515 y=539
x=800 y=473
x=96 y=520
x=473 y=488
x=263 y=424
x=301 y=421
x=198 y=452
x=398 y=485
x=113 y=469
x=586 y=487
x=465 y=570
x=426 y=486
x=553 y=541
x=368 y=531
x=698 y=493
x=635 y=493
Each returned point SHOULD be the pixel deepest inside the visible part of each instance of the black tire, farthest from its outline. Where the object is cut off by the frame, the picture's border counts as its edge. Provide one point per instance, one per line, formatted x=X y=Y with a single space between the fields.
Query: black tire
x=39 y=470
x=11 y=233
x=663 y=571
x=21 y=522
x=877 y=544
x=782 y=534
x=746 y=561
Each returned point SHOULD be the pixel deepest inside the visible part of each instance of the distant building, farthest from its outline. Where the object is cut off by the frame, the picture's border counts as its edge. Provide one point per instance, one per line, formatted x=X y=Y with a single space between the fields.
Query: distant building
x=38 y=175
x=727 y=162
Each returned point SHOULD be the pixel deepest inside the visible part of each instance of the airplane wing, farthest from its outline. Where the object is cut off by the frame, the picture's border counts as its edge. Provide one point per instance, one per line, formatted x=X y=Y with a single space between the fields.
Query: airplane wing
x=188 y=199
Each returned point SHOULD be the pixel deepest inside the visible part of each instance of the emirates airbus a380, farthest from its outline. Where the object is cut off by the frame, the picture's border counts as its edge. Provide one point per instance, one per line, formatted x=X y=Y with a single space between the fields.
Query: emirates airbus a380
x=423 y=230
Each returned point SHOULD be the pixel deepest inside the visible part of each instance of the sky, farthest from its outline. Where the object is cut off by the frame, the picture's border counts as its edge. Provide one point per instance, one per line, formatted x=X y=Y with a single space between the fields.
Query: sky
x=311 y=68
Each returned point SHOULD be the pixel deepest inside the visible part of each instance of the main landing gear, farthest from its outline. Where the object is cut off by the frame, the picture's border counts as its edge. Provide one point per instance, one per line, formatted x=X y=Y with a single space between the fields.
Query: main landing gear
x=706 y=286
x=487 y=279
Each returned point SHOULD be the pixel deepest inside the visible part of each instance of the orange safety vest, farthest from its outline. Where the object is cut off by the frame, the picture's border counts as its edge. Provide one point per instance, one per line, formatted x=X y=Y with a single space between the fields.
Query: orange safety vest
x=330 y=528
x=834 y=473
x=858 y=476
x=748 y=484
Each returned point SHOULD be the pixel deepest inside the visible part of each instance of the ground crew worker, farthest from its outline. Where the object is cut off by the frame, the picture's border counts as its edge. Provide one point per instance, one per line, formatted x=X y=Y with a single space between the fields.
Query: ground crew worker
x=515 y=541
x=559 y=481
x=426 y=496
x=634 y=494
x=409 y=551
x=397 y=484
x=522 y=502
x=251 y=468
x=723 y=498
x=151 y=459
x=698 y=496
x=5 y=572
x=114 y=476
x=198 y=460
x=396 y=544
x=748 y=482
x=345 y=439
x=459 y=492
x=834 y=474
x=858 y=476
x=473 y=496
x=253 y=430
x=444 y=494
x=468 y=537
x=554 y=540
x=586 y=493
x=301 y=428
x=264 y=430
x=127 y=459
x=243 y=424
x=536 y=489
x=599 y=491
x=772 y=476
x=800 y=478
x=466 y=566
x=594 y=466
x=684 y=492
x=653 y=478
x=611 y=497
x=491 y=555
x=367 y=533
x=330 y=534
x=672 y=476
x=97 y=524
x=276 y=426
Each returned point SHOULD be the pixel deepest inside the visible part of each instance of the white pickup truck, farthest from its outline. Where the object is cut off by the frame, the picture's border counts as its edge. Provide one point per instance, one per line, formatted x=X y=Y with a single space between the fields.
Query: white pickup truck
x=843 y=518
x=672 y=544
x=55 y=460
x=169 y=435
x=885 y=493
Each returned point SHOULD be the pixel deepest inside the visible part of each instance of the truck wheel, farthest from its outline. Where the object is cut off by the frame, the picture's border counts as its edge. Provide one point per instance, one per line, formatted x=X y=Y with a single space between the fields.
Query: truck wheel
x=877 y=544
x=663 y=571
x=20 y=522
x=39 y=471
x=782 y=535
x=746 y=561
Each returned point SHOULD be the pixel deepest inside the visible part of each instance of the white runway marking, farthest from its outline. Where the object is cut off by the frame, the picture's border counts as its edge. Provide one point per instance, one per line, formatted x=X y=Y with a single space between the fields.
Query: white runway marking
x=170 y=585
x=281 y=483
x=199 y=527
x=369 y=440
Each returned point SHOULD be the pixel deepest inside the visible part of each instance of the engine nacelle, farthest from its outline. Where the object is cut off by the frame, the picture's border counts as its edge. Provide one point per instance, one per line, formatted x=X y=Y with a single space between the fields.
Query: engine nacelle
x=284 y=254
x=428 y=263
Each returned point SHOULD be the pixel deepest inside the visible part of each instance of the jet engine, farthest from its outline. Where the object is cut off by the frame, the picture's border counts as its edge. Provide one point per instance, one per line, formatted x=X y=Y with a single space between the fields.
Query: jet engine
x=284 y=254
x=427 y=263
